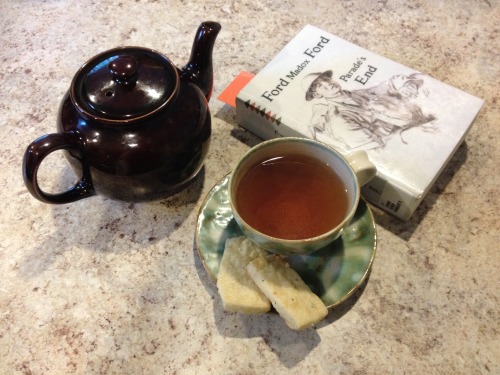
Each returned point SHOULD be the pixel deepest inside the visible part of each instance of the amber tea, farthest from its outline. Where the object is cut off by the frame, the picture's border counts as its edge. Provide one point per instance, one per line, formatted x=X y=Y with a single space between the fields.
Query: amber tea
x=292 y=197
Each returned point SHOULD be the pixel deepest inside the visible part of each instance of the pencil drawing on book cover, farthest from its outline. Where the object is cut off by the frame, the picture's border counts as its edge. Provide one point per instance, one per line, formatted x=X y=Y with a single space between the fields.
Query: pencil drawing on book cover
x=365 y=118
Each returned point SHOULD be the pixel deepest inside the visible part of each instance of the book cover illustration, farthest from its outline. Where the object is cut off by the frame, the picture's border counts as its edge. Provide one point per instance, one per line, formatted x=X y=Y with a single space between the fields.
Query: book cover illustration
x=323 y=87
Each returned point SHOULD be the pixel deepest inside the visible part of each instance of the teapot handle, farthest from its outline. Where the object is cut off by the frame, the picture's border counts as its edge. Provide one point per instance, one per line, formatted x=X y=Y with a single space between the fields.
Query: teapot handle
x=39 y=150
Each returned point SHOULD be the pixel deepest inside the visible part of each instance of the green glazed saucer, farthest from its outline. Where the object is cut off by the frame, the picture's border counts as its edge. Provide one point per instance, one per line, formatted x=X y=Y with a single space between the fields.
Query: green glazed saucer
x=333 y=273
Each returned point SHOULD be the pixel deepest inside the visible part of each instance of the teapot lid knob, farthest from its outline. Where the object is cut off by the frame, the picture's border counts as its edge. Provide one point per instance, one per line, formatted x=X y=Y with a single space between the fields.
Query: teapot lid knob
x=124 y=69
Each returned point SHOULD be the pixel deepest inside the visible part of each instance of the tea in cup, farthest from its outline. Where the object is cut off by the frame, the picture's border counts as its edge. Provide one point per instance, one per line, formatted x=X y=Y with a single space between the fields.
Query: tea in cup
x=296 y=195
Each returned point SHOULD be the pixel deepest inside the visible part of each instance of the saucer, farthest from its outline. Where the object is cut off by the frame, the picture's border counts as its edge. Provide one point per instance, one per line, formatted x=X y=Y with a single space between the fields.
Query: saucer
x=333 y=273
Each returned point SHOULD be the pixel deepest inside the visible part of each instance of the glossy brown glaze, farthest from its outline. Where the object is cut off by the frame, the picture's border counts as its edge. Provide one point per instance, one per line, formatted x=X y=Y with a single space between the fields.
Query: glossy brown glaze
x=132 y=125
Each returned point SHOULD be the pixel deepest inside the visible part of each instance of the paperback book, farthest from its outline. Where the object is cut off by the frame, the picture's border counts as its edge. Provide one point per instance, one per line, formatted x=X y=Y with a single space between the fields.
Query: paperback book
x=323 y=87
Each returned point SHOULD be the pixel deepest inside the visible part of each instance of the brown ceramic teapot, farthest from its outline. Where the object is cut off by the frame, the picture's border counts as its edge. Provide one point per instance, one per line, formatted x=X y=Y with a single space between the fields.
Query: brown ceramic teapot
x=133 y=126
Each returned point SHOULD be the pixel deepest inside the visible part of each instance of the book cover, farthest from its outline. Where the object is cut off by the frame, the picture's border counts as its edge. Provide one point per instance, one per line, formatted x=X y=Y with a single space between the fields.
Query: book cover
x=323 y=87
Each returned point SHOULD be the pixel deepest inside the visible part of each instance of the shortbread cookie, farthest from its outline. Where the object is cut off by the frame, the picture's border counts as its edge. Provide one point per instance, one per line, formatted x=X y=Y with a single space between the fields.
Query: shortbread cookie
x=237 y=290
x=290 y=296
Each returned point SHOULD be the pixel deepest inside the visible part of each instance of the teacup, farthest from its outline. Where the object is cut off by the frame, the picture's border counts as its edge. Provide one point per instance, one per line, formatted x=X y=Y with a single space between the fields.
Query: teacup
x=296 y=195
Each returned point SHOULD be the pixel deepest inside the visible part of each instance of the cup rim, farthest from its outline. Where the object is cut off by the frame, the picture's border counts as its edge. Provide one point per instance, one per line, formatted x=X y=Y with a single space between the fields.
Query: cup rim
x=348 y=217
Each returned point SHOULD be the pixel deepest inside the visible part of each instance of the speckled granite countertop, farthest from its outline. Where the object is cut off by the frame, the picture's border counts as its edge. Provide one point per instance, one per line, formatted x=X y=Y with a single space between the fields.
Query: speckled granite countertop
x=104 y=287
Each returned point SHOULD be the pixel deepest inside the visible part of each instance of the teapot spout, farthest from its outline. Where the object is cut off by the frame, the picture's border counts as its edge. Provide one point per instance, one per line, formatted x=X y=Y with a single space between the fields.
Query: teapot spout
x=199 y=68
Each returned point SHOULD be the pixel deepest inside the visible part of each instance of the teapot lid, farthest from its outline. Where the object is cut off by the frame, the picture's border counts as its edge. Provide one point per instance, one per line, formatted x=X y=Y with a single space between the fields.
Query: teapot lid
x=124 y=84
